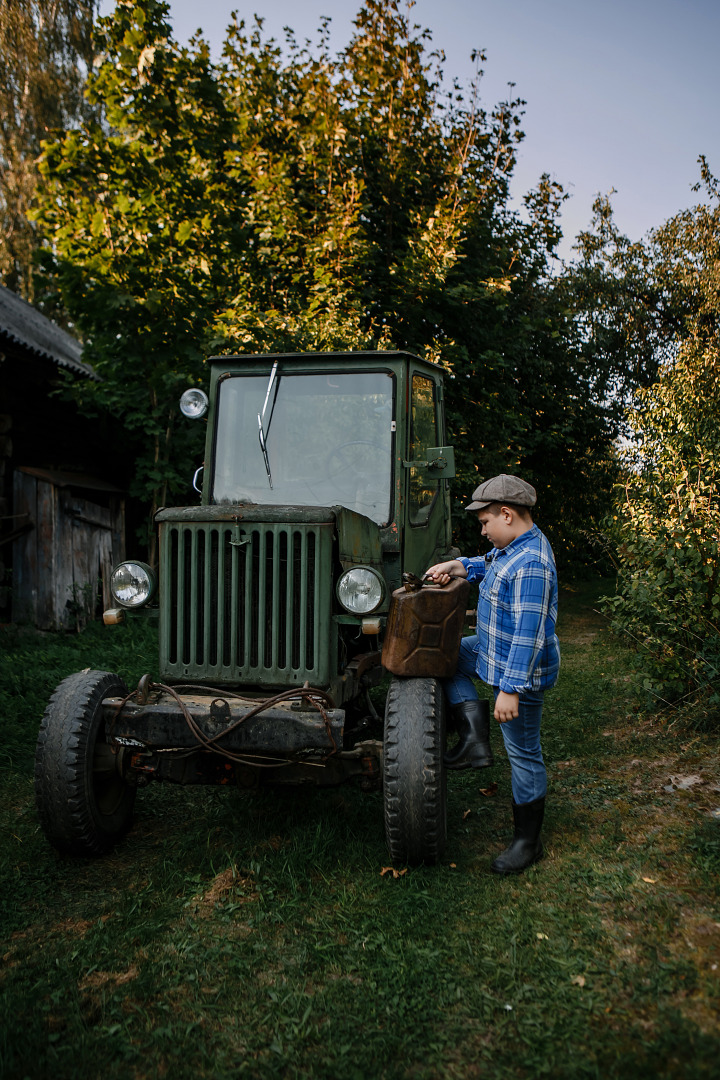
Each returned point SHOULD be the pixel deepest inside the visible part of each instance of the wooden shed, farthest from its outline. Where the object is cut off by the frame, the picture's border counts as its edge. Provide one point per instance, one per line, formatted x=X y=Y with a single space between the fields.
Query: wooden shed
x=72 y=530
x=60 y=527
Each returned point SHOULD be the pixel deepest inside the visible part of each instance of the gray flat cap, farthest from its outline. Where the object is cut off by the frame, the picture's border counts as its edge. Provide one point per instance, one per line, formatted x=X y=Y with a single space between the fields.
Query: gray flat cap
x=503 y=489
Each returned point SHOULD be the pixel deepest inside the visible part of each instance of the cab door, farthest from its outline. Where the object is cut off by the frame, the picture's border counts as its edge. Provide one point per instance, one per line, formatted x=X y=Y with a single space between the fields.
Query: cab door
x=427 y=528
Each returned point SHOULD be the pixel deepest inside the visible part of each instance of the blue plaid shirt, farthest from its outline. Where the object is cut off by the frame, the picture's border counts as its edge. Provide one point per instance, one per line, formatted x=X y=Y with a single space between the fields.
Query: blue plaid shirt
x=517 y=608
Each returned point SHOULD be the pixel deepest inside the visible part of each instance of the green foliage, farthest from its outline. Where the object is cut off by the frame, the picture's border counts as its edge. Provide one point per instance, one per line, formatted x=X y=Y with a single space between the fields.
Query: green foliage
x=45 y=50
x=287 y=199
x=668 y=523
x=140 y=209
x=668 y=595
x=623 y=297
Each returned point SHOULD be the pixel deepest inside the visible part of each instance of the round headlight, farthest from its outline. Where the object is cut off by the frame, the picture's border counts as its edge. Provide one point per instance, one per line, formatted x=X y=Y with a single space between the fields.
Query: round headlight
x=360 y=590
x=132 y=584
x=194 y=403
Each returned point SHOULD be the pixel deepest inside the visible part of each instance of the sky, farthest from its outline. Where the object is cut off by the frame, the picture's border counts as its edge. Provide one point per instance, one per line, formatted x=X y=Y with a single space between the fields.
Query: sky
x=620 y=95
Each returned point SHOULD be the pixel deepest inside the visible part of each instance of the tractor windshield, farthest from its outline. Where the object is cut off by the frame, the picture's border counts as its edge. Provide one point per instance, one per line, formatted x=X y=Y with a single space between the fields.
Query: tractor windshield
x=306 y=440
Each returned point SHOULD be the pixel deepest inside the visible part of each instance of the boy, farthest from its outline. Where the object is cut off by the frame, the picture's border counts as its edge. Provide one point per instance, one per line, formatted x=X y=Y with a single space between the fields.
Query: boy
x=515 y=651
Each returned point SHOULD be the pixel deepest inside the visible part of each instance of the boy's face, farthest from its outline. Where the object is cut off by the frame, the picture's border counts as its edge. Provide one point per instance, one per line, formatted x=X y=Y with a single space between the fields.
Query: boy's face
x=502 y=528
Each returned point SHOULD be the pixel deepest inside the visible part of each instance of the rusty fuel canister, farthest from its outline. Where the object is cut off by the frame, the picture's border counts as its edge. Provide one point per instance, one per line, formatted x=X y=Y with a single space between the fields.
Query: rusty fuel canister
x=424 y=628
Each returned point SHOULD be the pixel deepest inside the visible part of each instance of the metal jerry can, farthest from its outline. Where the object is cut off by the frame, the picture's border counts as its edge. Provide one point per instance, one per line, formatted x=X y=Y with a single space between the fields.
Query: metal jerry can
x=424 y=628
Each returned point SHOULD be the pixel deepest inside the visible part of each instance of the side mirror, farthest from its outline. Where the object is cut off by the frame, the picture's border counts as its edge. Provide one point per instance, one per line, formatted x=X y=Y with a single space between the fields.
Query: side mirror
x=440 y=462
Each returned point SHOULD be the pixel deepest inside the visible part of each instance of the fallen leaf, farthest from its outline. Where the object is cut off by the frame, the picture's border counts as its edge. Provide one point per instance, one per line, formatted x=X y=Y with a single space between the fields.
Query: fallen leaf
x=650 y=880
x=466 y=814
x=391 y=870
x=489 y=791
x=542 y=937
x=578 y=980
x=453 y=865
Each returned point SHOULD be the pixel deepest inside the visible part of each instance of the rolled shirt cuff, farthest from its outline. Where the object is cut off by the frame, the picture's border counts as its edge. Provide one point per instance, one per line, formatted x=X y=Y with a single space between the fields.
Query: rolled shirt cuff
x=507 y=688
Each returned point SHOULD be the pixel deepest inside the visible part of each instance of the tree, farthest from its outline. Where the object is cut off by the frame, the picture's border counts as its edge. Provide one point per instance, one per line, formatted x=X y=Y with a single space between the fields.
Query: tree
x=288 y=199
x=626 y=307
x=399 y=224
x=668 y=518
x=45 y=52
x=146 y=234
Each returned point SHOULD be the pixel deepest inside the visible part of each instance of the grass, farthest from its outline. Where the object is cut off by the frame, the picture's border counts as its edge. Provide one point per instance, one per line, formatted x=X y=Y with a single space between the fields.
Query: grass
x=252 y=935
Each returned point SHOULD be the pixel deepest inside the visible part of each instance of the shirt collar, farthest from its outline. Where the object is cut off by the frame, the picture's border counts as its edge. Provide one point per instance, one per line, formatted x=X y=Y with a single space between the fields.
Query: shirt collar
x=519 y=541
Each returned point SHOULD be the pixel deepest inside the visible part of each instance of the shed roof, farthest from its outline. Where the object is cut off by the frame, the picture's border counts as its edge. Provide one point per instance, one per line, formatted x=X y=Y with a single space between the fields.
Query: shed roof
x=24 y=324
x=62 y=479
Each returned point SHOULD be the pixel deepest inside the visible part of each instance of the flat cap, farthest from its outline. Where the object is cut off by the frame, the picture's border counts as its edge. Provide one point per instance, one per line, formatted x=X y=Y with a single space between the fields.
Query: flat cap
x=503 y=489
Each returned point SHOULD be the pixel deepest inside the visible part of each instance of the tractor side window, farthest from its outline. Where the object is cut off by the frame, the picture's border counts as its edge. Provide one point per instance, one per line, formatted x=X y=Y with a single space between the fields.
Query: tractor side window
x=423 y=434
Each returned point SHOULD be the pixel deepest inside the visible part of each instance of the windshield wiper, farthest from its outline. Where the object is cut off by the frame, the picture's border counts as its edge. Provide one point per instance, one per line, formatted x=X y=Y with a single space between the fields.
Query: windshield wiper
x=263 y=432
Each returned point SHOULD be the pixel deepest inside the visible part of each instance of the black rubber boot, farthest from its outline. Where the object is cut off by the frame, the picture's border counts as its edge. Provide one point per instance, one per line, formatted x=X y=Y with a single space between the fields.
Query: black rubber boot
x=472 y=723
x=526 y=847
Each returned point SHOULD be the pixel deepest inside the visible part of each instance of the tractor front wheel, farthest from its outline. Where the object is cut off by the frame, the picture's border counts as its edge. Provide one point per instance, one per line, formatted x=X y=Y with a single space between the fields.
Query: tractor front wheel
x=414 y=777
x=83 y=802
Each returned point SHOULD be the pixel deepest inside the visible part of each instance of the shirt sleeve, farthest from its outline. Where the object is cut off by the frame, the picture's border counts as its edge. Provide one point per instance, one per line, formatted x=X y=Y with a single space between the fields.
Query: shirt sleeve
x=475 y=567
x=529 y=599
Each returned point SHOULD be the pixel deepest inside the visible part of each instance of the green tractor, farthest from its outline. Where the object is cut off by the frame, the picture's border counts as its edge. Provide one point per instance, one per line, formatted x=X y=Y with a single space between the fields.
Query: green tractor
x=326 y=479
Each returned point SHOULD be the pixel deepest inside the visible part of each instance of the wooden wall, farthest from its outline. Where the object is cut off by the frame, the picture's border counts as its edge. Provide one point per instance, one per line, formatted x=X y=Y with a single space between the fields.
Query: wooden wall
x=62 y=564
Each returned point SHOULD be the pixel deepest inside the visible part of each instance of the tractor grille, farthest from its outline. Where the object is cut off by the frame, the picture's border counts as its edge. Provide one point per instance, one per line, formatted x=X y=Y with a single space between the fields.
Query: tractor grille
x=246 y=604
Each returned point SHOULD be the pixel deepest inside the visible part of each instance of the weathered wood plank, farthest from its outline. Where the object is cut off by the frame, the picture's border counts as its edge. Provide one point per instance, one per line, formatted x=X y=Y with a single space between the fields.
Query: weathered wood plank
x=65 y=561
x=46 y=617
x=24 y=582
x=106 y=567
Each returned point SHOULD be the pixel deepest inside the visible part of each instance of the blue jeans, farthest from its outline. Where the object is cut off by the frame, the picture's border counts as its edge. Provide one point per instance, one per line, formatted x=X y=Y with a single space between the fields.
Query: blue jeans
x=521 y=735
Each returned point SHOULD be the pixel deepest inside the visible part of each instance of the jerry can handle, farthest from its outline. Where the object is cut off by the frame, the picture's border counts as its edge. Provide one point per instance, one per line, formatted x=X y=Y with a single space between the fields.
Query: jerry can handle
x=413 y=583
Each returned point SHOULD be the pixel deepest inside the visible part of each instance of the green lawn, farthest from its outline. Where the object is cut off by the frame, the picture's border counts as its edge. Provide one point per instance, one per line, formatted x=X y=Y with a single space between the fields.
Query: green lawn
x=255 y=935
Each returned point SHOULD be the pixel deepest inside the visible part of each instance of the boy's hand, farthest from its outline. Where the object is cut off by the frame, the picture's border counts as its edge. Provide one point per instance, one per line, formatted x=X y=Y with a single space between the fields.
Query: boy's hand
x=443 y=572
x=506 y=706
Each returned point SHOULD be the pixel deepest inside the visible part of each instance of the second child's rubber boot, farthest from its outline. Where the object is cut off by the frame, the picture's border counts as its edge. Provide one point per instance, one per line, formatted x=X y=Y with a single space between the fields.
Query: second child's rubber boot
x=526 y=846
x=472 y=723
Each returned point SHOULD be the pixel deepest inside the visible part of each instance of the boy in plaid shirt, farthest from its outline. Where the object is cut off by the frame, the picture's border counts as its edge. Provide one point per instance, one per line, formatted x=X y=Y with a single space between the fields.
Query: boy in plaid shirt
x=515 y=651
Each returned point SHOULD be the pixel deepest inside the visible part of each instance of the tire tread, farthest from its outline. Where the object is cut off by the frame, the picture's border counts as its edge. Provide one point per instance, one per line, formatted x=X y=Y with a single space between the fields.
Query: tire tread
x=413 y=771
x=67 y=735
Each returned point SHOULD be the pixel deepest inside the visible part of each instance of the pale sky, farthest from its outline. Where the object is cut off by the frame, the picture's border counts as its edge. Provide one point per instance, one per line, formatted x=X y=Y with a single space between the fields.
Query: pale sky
x=621 y=94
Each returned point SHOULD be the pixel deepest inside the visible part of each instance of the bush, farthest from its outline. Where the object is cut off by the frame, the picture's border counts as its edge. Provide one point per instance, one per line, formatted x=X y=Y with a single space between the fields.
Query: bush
x=668 y=519
x=668 y=595
x=668 y=531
